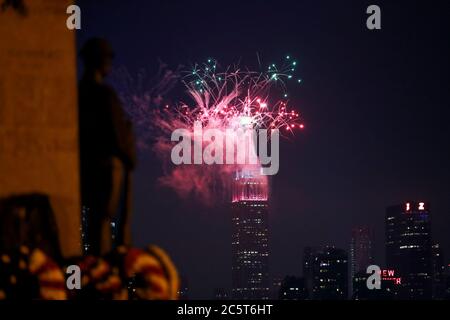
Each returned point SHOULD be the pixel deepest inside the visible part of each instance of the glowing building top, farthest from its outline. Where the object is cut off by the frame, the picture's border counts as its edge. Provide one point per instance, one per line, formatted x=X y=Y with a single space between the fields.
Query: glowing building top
x=250 y=185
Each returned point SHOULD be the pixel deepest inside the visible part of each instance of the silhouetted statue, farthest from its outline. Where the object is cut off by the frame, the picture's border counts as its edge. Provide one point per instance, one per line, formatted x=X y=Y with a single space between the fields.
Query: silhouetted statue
x=107 y=152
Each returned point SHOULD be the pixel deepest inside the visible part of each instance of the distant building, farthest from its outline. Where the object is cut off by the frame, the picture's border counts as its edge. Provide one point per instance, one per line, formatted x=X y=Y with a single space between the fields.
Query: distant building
x=250 y=238
x=221 y=294
x=293 y=288
x=330 y=274
x=359 y=284
x=360 y=250
x=438 y=266
x=276 y=285
x=408 y=248
x=387 y=290
x=309 y=254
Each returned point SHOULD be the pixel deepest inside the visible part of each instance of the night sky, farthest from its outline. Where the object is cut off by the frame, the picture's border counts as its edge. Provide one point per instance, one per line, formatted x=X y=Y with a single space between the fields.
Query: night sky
x=376 y=105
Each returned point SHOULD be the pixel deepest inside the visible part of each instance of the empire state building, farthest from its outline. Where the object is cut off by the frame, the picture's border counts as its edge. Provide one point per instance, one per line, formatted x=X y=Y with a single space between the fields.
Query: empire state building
x=250 y=249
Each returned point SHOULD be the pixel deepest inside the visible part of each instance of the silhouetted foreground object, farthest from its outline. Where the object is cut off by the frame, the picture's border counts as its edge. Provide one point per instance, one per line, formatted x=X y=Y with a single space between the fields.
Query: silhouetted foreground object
x=17 y=5
x=39 y=147
x=30 y=274
x=107 y=151
x=28 y=220
x=129 y=273
x=123 y=274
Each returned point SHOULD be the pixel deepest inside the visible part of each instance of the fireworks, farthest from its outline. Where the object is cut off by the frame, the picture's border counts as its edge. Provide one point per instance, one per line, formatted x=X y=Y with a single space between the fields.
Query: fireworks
x=238 y=98
x=224 y=100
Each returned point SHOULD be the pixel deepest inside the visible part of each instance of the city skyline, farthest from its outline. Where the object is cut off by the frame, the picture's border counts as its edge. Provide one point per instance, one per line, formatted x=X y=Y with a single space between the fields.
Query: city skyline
x=375 y=106
x=401 y=256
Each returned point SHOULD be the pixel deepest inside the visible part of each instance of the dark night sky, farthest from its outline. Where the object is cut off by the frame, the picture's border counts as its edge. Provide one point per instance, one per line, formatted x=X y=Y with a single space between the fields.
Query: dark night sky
x=375 y=103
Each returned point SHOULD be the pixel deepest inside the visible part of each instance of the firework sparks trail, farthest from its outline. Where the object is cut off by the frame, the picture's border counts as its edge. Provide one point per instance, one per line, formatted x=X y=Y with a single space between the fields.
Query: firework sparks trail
x=230 y=99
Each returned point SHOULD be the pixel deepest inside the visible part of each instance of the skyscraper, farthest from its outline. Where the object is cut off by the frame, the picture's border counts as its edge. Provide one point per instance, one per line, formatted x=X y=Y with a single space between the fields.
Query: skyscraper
x=330 y=274
x=360 y=250
x=309 y=254
x=250 y=248
x=438 y=265
x=408 y=248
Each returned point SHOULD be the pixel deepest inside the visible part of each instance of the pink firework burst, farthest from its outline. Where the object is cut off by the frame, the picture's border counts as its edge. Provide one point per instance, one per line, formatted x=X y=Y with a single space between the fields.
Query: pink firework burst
x=238 y=98
x=231 y=99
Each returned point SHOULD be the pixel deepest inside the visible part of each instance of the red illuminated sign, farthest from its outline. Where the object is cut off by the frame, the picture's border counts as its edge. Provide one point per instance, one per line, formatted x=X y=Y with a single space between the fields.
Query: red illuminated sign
x=420 y=206
x=389 y=275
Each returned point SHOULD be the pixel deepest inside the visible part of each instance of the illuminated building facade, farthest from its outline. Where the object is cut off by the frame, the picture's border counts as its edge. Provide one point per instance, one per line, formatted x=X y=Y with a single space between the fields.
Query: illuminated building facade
x=293 y=288
x=250 y=248
x=408 y=248
x=438 y=265
x=360 y=250
x=330 y=274
x=309 y=254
